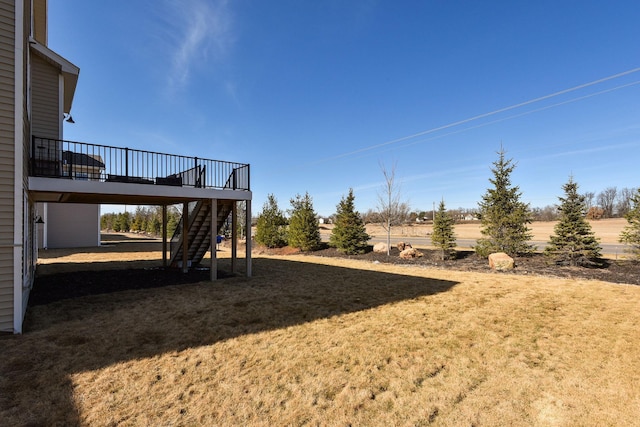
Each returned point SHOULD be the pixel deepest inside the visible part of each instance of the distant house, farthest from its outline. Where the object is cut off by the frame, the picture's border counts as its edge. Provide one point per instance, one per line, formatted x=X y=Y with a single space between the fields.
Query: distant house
x=51 y=189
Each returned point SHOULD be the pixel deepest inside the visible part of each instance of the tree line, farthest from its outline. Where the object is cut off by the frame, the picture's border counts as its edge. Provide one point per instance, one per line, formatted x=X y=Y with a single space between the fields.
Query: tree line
x=504 y=220
x=301 y=229
x=144 y=220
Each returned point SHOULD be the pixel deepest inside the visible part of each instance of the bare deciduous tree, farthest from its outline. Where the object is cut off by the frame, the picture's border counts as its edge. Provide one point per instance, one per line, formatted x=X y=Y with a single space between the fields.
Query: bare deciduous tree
x=548 y=213
x=392 y=211
x=607 y=199
x=589 y=196
x=371 y=217
x=623 y=204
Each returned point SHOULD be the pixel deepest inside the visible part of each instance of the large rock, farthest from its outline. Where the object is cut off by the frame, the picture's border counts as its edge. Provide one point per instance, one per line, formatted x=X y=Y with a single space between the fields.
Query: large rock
x=380 y=247
x=500 y=261
x=402 y=246
x=410 y=253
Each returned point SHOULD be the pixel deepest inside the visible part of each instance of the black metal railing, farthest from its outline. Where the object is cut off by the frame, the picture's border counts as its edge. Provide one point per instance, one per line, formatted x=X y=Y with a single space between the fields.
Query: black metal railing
x=55 y=158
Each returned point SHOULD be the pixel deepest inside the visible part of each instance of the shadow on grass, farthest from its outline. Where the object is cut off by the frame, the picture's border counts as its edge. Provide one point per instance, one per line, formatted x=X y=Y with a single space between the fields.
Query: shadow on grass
x=122 y=276
x=96 y=331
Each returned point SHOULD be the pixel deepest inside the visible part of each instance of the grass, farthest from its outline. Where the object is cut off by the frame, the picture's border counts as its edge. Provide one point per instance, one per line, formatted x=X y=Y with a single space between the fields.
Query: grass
x=312 y=341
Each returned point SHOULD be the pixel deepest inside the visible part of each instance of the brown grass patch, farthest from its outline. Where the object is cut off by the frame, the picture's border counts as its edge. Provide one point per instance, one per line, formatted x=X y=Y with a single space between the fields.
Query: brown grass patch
x=326 y=341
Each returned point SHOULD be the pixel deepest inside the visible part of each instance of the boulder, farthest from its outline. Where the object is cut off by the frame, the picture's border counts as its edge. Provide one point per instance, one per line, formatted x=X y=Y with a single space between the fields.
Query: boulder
x=500 y=261
x=410 y=253
x=402 y=246
x=380 y=247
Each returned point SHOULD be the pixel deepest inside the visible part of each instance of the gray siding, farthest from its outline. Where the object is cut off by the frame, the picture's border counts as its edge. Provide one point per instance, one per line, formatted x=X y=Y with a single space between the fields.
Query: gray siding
x=7 y=158
x=45 y=99
x=71 y=225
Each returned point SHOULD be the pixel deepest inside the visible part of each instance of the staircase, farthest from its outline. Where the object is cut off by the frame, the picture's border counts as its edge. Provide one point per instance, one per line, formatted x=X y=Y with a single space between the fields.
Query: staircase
x=198 y=237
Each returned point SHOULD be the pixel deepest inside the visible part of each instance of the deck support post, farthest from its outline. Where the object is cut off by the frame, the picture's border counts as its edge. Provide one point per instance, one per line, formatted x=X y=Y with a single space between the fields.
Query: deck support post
x=248 y=238
x=164 y=236
x=185 y=237
x=214 y=240
x=234 y=236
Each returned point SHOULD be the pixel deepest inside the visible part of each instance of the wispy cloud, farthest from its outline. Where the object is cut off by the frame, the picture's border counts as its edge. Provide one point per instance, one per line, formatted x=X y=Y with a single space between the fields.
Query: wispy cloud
x=200 y=31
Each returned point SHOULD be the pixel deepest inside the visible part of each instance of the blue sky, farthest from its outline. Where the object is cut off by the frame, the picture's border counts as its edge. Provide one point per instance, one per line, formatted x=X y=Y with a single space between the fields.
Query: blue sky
x=316 y=95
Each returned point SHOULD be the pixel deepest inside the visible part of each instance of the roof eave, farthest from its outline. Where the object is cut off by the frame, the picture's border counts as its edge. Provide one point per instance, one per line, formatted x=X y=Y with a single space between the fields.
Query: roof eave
x=68 y=70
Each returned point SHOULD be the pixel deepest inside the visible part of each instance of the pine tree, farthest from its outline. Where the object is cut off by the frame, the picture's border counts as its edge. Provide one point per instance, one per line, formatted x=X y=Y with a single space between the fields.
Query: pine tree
x=631 y=233
x=304 y=231
x=503 y=216
x=443 y=236
x=270 y=228
x=172 y=221
x=349 y=233
x=123 y=222
x=573 y=243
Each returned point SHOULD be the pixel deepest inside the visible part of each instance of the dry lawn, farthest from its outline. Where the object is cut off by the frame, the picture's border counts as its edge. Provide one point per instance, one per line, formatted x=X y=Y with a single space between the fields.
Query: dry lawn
x=313 y=341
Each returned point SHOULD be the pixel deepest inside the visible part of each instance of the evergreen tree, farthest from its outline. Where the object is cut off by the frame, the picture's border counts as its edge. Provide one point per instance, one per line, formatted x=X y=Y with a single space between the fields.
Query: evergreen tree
x=270 y=228
x=631 y=233
x=107 y=221
x=443 y=236
x=136 y=222
x=123 y=222
x=573 y=242
x=173 y=218
x=304 y=231
x=349 y=234
x=503 y=216
x=155 y=225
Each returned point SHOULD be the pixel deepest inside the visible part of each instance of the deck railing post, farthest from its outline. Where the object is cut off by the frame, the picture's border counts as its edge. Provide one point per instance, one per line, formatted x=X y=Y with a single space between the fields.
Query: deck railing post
x=196 y=169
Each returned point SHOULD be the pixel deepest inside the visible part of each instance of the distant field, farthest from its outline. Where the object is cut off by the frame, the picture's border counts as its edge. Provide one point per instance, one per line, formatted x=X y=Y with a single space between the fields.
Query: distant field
x=608 y=230
x=325 y=341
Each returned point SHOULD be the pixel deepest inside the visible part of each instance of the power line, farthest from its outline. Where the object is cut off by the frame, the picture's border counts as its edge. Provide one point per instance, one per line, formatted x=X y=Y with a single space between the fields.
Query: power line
x=491 y=113
x=514 y=116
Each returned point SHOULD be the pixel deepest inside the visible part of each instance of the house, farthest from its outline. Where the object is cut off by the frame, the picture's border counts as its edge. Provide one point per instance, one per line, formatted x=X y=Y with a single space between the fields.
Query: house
x=42 y=176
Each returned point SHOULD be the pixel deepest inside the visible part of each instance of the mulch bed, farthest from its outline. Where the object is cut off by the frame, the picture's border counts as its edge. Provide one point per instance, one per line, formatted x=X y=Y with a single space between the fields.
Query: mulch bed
x=616 y=271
